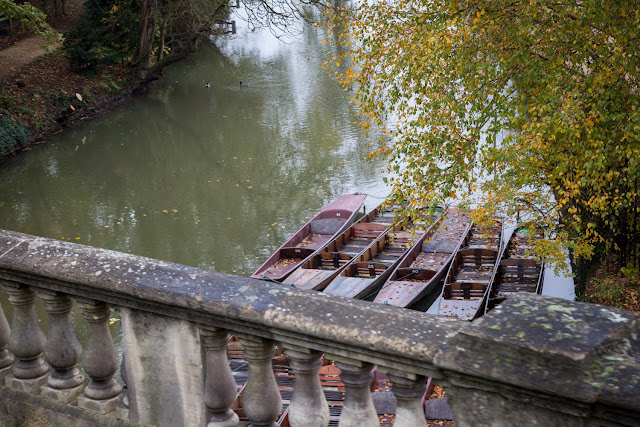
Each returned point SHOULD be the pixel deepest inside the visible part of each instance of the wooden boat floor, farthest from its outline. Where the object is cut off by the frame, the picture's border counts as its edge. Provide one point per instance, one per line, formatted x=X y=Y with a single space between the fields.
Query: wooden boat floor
x=314 y=241
x=476 y=275
x=282 y=266
x=350 y=287
x=507 y=289
x=430 y=260
x=459 y=308
x=401 y=292
x=308 y=278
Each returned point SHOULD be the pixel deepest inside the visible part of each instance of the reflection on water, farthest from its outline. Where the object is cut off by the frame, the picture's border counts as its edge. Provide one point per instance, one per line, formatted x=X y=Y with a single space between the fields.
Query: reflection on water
x=210 y=177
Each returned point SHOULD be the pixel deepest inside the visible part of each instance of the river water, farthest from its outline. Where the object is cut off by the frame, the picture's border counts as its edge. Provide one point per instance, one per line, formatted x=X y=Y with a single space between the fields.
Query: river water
x=209 y=177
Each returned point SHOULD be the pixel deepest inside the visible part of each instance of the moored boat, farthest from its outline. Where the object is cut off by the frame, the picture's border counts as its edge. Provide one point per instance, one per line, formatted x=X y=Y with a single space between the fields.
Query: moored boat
x=518 y=270
x=471 y=273
x=426 y=263
x=314 y=235
x=319 y=270
x=368 y=272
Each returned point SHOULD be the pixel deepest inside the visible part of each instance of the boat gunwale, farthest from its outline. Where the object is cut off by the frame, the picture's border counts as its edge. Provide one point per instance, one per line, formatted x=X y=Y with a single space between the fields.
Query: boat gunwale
x=439 y=274
x=485 y=296
x=275 y=256
x=540 y=276
x=366 y=219
x=383 y=277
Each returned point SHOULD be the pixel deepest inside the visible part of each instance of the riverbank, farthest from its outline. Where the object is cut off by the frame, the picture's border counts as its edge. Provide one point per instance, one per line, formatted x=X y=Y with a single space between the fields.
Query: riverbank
x=45 y=95
x=40 y=93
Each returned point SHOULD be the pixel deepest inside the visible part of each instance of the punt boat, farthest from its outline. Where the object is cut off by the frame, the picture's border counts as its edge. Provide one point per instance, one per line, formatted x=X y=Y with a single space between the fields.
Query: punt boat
x=518 y=270
x=365 y=274
x=314 y=235
x=471 y=274
x=420 y=272
x=319 y=270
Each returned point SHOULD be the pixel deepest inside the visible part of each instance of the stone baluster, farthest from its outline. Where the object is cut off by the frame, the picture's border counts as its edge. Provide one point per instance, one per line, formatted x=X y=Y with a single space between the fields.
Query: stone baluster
x=408 y=390
x=27 y=341
x=308 y=405
x=100 y=361
x=62 y=350
x=219 y=386
x=262 y=403
x=6 y=358
x=358 y=409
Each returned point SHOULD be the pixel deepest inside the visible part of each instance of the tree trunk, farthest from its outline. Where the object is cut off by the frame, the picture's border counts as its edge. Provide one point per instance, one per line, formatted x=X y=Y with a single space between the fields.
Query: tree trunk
x=163 y=33
x=145 y=40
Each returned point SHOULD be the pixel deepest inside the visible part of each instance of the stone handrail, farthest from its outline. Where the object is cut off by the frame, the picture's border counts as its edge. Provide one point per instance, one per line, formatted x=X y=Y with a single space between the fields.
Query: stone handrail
x=545 y=359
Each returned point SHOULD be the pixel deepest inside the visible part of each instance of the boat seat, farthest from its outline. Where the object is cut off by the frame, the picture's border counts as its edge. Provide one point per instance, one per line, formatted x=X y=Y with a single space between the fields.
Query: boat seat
x=464 y=290
x=408 y=273
x=325 y=226
x=368 y=269
x=333 y=260
x=293 y=252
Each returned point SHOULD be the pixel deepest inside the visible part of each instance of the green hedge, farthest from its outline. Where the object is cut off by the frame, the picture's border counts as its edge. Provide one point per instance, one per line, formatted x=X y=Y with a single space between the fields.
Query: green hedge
x=12 y=133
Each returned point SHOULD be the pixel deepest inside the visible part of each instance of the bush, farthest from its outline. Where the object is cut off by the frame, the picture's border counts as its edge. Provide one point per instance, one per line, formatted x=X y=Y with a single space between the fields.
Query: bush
x=13 y=134
x=108 y=34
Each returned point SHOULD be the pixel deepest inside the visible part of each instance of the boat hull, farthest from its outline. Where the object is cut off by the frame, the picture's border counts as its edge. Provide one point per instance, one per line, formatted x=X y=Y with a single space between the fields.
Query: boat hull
x=425 y=265
x=312 y=237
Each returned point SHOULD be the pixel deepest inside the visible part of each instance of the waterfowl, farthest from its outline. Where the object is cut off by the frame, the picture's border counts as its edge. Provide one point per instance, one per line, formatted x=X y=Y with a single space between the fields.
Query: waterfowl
x=208 y=84
x=244 y=84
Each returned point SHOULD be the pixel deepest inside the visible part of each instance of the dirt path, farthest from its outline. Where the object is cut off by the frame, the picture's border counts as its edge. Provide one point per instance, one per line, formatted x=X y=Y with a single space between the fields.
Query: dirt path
x=20 y=54
x=24 y=51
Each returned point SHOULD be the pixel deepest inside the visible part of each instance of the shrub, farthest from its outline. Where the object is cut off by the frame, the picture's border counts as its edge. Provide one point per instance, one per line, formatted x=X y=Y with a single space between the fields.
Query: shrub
x=13 y=134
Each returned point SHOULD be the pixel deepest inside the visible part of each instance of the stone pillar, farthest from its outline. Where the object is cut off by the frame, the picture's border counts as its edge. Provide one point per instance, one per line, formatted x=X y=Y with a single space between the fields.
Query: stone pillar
x=262 y=402
x=27 y=341
x=6 y=358
x=100 y=361
x=409 y=391
x=358 y=409
x=163 y=364
x=220 y=387
x=308 y=405
x=63 y=351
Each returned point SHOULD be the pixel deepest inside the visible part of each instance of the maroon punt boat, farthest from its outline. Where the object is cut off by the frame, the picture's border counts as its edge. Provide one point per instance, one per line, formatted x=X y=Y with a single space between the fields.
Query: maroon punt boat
x=471 y=274
x=518 y=270
x=319 y=270
x=421 y=270
x=366 y=273
x=314 y=235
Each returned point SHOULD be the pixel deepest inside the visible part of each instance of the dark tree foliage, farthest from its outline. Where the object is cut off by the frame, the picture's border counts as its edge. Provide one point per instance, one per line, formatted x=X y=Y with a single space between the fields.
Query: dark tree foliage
x=108 y=33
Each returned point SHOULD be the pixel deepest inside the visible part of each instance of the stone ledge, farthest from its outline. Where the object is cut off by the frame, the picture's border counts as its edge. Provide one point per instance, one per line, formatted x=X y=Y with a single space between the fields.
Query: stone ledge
x=19 y=409
x=100 y=406
x=31 y=385
x=4 y=372
x=62 y=396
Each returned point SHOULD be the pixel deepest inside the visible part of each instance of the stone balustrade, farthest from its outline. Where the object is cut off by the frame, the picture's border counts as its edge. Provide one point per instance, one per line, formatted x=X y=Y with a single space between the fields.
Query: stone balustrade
x=533 y=360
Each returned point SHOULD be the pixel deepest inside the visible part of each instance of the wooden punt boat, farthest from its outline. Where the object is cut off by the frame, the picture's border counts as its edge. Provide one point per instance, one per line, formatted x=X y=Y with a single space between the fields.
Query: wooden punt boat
x=314 y=235
x=426 y=263
x=319 y=270
x=518 y=271
x=471 y=274
x=368 y=272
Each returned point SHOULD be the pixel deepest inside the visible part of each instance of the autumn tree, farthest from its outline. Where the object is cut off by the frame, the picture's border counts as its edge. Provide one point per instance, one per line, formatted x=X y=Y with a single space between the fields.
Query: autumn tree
x=27 y=16
x=526 y=108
